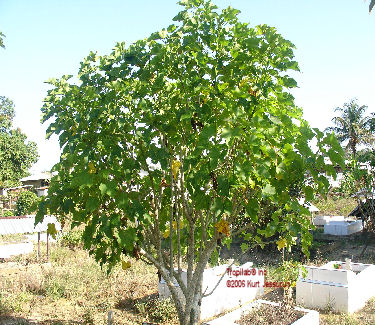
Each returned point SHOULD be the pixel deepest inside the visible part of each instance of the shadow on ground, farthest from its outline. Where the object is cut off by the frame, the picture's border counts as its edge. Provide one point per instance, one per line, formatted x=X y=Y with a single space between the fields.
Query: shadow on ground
x=129 y=304
x=11 y=320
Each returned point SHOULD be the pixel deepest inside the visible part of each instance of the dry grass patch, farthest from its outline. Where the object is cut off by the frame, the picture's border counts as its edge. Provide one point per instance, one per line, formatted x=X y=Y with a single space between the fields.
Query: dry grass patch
x=72 y=288
x=336 y=206
x=365 y=316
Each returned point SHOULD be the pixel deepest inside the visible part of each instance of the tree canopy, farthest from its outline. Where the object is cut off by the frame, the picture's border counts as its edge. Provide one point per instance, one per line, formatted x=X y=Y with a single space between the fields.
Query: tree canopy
x=371 y=5
x=166 y=142
x=352 y=127
x=2 y=40
x=17 y=154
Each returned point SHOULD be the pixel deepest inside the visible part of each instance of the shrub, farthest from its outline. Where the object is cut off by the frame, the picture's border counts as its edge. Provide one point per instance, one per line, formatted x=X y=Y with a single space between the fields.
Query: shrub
x=8 y=213
x=157 y=310
x=25 y=203
x=72 y=239
x=288 y=272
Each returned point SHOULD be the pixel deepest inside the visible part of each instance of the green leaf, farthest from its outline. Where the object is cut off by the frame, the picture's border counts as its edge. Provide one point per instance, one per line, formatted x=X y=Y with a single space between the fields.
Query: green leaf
x=244 y=247
x=229 y=133
x=186 y=115
x=103 y=188
x=223 y=186
x=92 y=204
x=268 y=190
x=127 y=239
x=163 y=33
x=108 y=189
x=275 y=120
x=51 y=230
x=208 y=132
x=309 y=193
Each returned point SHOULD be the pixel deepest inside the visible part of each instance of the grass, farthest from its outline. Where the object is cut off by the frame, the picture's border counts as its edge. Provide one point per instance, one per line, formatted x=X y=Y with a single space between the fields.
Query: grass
x=12 y=238
x=72 y=288
x=366 y=316
x=338 y=206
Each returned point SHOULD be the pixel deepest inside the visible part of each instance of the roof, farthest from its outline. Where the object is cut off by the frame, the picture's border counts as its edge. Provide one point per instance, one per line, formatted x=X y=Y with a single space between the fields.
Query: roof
x=36 y=177
x=16 y=188
x=22 y=225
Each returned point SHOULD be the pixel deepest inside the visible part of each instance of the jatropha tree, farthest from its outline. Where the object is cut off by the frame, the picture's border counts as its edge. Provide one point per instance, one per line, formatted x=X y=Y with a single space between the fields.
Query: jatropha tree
x=166 y=142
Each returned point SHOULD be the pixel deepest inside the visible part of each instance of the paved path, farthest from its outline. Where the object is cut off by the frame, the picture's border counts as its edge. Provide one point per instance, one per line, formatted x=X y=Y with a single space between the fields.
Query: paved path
x=9 y=250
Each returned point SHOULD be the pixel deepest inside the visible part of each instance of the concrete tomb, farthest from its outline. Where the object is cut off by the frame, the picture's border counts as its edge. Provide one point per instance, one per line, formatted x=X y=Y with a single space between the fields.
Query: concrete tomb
x=245 y=284
x=340 y=286
x=343 y=227
x=310 y=317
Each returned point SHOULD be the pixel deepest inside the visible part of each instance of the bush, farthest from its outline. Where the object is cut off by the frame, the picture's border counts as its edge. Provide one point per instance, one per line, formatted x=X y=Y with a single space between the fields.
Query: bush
x=72 y=239
x=8 y=213
x=26 y=203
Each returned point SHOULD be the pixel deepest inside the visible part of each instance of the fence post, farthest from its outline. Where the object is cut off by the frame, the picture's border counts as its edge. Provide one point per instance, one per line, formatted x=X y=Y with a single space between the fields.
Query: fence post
x=47 y=247
x=38 y=252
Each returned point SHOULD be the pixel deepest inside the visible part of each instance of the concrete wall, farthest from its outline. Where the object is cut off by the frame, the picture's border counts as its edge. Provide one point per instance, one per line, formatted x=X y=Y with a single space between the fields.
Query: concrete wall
x=338 y=289
x=224 y=297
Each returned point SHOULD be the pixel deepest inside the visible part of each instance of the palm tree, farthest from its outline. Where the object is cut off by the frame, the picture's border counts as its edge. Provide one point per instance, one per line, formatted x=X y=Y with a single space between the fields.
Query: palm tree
x=352 y=126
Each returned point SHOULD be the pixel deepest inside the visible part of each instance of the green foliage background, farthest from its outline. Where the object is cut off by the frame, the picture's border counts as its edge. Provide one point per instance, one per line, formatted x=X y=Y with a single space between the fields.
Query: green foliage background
x=17 y=154
x=26 y=203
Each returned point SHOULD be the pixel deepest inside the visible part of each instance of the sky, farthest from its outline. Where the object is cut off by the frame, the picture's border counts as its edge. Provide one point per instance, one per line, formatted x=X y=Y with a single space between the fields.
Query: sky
x=335 y=42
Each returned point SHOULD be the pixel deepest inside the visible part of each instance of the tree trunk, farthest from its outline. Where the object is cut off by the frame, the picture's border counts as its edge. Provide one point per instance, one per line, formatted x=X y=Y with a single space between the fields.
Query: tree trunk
x=353 y=147
x=193 y=311
x=194 y=299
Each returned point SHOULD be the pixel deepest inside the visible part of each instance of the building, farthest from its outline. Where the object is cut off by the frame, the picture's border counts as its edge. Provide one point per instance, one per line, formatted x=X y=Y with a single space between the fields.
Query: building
x=37 y=180
x=40 y=182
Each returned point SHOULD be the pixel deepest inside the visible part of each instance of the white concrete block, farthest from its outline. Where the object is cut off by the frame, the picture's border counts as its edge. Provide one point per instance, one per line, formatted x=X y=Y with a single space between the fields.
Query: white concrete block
x=343 y=227
x=339 y=298
x=304 y=293
x=341 y=289
x=322 y=220
x=224 y=297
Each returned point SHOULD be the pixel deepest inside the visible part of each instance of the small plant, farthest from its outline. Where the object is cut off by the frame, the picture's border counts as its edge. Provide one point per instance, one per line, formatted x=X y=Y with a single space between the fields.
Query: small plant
x=26 y=203
x=337 y=266
x=72 y=239
x=288 y=273
x=157 y=310
x=55 y=287
x=4 y=304
x=88 y=317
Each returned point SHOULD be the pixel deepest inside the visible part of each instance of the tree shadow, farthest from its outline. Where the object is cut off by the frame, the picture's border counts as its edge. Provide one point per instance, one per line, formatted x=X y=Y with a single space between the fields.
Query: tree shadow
x=129 y=304
x=275 y=295
x=13 y=320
